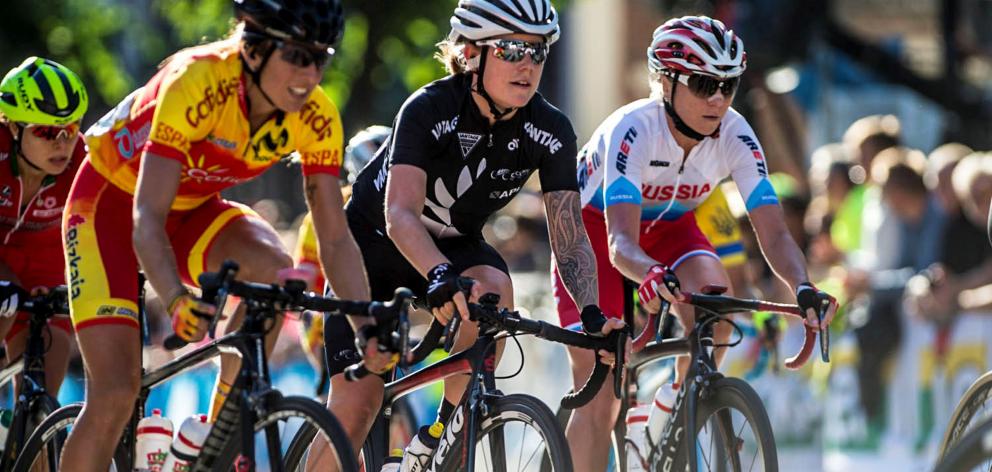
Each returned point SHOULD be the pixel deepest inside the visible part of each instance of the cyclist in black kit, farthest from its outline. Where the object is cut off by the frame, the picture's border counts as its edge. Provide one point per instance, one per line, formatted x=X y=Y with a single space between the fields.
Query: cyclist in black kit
x=460 y=149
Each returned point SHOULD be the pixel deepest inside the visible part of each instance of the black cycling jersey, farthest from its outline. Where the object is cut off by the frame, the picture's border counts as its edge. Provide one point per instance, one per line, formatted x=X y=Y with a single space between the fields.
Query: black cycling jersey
x=472 y=169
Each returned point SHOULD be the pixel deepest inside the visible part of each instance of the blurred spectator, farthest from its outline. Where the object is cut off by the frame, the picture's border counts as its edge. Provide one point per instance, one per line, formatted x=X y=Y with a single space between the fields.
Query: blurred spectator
x=907 y=242
x=834 y=216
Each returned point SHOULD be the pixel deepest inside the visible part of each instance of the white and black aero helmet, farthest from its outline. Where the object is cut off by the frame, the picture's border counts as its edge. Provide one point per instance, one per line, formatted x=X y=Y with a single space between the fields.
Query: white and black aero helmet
x=482 y=19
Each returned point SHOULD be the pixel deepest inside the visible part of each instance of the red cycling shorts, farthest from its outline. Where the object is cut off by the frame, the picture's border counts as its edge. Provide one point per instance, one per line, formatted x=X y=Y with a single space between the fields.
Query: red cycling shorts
x=40 y=265
x=102 y=266
x=668 y=242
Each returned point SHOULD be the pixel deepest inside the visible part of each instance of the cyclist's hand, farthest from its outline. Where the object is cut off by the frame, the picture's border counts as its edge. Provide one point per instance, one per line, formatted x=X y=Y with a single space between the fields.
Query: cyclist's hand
x=190 y=317
x=810 y=300
x=378 y=358
x=444 y=293
x=11 y=295
x=612 y=324
x=39 y=290
x=659 y=281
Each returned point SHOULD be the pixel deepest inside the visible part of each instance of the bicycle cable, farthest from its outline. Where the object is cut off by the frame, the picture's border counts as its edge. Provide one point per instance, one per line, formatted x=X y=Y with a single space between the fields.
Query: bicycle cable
x=519 y=348
x=716 y=318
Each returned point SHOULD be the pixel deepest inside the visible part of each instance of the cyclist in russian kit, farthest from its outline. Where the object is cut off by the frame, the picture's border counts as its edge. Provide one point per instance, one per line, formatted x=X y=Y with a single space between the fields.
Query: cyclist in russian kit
x=461 y=148
x=644 y=170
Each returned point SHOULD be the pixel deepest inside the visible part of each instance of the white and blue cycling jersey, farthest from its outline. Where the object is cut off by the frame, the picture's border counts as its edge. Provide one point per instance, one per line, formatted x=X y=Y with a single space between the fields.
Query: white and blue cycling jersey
x=632 y=157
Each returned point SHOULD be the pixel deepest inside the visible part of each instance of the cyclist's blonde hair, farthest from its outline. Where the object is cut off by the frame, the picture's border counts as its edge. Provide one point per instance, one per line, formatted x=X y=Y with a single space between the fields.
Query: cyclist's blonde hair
x=450 y=54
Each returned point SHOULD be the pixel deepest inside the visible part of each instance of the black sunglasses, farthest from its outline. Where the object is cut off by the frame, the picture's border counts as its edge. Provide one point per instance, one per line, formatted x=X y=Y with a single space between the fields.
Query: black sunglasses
x=304 y=56
x=513 y=50
x=704 y=86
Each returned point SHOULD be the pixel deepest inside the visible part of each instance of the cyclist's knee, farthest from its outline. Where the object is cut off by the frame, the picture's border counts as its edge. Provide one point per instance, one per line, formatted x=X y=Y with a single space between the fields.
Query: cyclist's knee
x=108 y=394
x=493 y=280
x=263 y=265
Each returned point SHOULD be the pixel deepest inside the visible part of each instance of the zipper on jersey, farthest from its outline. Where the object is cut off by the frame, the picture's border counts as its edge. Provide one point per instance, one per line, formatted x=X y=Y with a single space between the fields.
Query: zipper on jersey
x=21 y=215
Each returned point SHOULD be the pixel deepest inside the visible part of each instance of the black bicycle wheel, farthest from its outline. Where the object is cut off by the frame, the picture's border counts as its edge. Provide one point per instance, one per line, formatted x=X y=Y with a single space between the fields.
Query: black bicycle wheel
x=403 y=425
x=515 y=436
x=971 y=452
x=43 y=449
x=617 y=448
x=274 y=435
x=974 y=407
x=732 y=432
x=25 y=422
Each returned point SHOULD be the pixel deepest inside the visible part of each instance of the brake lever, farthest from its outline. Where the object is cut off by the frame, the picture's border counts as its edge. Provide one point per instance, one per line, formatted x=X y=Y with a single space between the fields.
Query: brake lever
x=824 y=333
x=618 y=364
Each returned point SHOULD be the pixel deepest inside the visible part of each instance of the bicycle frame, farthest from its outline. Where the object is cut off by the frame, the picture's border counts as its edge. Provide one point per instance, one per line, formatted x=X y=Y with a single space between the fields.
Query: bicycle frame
x=252 y=385
x=479 y=360
x=32 y=387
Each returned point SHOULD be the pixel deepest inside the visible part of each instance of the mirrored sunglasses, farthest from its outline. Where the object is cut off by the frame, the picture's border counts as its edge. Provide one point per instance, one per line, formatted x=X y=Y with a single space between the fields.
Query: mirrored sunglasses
x=513 y=50
x=704 y=86
x=53 y=133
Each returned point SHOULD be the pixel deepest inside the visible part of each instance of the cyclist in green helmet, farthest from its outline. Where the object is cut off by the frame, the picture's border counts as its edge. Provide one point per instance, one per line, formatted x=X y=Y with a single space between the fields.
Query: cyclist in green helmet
x=41 y=105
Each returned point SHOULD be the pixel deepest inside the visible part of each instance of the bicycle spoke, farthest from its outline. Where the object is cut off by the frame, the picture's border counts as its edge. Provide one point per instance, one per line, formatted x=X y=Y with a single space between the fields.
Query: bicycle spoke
x=533 y=454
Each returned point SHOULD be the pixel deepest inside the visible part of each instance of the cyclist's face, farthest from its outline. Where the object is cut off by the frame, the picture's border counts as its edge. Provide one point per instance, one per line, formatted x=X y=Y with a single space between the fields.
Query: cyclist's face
x=701 y=114
x=286 y=81
x=511 y=84
x=48 y=147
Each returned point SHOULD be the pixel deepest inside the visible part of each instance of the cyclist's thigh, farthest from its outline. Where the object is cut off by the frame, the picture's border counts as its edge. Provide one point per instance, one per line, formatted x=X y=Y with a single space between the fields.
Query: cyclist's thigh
x=101 y=266
x=218 y=230
x=112 y=356
x=610 y=281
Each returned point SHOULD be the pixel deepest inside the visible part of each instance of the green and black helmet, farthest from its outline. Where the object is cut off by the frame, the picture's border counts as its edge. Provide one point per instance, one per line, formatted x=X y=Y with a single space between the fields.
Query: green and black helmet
x=42 y=91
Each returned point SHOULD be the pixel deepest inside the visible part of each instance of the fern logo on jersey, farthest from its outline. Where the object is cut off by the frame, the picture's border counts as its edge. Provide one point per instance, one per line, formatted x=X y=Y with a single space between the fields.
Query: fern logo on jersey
x=443 y=199
x=467 y=141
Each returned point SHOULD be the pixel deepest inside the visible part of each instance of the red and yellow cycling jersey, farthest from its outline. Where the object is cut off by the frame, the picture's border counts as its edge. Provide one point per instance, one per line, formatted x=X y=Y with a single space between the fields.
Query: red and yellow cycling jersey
x=194 y=111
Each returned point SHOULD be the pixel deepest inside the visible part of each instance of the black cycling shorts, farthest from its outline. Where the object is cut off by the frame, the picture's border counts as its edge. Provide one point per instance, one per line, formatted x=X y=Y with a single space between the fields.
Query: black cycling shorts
x=387 y=270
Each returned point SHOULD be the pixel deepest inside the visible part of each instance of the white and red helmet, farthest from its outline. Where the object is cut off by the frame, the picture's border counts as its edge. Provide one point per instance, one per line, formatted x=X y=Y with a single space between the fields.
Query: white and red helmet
x=697 y=45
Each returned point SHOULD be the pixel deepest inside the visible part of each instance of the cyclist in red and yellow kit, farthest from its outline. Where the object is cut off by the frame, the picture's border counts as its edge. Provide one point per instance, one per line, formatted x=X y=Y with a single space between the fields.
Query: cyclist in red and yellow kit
x=41 y=104
x=213 y=116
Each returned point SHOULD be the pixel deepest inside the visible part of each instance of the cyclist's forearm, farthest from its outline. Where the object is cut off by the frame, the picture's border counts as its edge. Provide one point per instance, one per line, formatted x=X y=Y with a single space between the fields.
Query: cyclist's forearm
x=154 y=251
x=344 y=269
x=786 y=260
x=629 y=258
x=570 y=244
x=412 y=239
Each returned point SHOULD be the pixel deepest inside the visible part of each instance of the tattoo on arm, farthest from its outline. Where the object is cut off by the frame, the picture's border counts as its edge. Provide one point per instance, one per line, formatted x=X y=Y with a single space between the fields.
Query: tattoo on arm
x=573 y=253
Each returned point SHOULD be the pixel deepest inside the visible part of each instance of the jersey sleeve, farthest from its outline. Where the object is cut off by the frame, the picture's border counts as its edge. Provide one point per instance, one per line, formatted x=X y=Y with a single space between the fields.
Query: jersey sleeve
x=187 y=106
x=557 y=169
x=627 y=147
x=747 y=165
x=321 y=142
x=413 y=141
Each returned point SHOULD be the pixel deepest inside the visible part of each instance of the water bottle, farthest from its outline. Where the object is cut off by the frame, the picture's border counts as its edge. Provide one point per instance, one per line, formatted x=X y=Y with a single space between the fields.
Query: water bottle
x=636 y=444
x=393 y=462
x=192 y=434
x=153 y=439
x=418 y=452
x=661 y=411
x=6 y=417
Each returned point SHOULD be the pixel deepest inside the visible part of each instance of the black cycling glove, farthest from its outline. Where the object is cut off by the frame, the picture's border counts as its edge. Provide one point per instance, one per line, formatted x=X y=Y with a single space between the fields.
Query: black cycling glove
x=11 y=295
x=442 y=285
x=808 y=297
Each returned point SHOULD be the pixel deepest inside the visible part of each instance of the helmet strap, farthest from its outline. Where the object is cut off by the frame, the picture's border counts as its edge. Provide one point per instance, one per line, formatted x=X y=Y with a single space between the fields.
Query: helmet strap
x=256 y=76
x=19 y=151
x=681 y=125
x=481 y=89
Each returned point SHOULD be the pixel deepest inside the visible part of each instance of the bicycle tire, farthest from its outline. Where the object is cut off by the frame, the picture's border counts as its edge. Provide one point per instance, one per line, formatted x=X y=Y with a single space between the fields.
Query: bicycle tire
x=617 y=460
x=49 y=438
x=728 y=394
x=964 y=412
x=373 y=454
x=971 y=450
x=315 y=416
x=24 y=424
x=504 y=410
